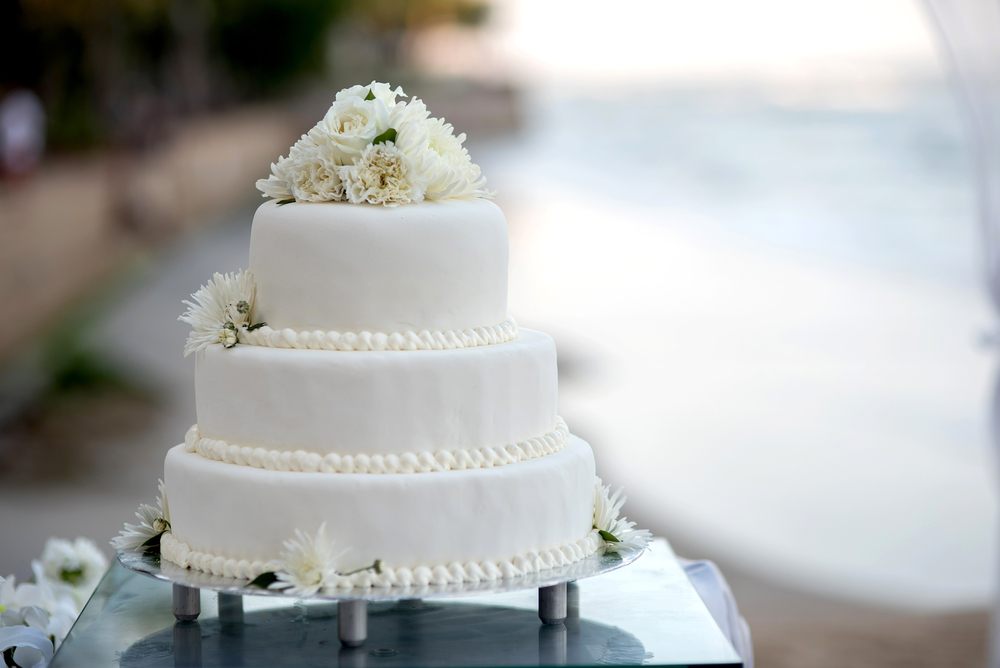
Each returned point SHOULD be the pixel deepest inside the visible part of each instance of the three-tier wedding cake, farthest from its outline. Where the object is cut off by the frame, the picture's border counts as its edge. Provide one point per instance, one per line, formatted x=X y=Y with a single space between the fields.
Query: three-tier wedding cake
x=368 y=412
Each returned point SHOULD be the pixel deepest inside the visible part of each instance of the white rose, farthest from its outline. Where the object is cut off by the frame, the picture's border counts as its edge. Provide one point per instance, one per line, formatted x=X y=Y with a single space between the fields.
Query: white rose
x=349 y=126
x=380 y=91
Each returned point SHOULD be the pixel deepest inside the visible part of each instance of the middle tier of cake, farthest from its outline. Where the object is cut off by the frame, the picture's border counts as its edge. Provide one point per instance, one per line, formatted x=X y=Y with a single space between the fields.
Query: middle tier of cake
x=386 y=404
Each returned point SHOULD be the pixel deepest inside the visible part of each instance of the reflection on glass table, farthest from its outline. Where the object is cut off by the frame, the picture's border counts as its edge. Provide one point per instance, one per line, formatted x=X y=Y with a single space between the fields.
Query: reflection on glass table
x=647 y=613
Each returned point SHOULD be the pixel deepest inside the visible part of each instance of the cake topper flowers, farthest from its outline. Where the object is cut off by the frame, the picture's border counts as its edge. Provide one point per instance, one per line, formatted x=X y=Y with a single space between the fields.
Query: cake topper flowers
x=222 y=309
x=617 y=532
x=371 y=148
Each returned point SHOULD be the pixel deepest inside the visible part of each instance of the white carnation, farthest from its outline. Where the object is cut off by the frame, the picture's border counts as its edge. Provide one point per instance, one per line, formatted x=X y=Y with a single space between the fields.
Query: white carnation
x=381 y=91
x=312 y=174
x=383 y=175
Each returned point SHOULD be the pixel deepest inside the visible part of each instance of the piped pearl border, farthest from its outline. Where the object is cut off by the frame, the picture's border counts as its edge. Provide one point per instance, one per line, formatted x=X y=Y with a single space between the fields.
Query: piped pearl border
x=424 y=462
x=425 y=340
x=180 y=553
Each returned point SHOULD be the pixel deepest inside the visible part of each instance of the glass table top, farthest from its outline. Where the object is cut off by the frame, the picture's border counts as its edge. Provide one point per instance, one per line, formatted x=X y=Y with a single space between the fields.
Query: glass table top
x=644 y=614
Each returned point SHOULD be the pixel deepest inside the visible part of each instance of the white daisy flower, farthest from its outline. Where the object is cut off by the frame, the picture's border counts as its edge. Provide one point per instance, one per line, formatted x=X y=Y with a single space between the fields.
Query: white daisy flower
x=308 y=564
x=152 y=523
x=221 y=308
x=616 y=531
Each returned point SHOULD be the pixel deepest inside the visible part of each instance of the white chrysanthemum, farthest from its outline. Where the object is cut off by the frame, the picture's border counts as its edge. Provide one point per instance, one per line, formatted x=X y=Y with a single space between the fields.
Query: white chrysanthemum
x=276 y=185
x=217 y=304
x=383 y=175
x=308 y=564
x=152 y=522
x=607 y=507
x=435 y=151
x=381 y=91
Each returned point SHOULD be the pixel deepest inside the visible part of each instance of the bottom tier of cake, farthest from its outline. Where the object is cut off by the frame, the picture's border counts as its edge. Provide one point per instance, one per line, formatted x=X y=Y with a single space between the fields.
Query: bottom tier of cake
x=450 y=526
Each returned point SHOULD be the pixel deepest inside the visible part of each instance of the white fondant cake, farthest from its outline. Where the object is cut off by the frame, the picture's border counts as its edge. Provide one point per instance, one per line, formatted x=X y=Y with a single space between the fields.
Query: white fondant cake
x=378 y=402
x=335 y=266
x=363 y=383
x=407 y=521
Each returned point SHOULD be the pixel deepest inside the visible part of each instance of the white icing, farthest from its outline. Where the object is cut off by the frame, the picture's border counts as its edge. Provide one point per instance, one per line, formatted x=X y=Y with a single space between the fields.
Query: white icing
x=319 y=340
x=381 y=402
x=432 y=519
x=180 y=553
x=435 y=266
x=406 y=462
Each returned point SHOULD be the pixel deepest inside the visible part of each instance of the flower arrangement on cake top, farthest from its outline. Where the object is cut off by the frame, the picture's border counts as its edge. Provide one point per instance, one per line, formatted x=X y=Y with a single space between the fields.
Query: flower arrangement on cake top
x=371 y=148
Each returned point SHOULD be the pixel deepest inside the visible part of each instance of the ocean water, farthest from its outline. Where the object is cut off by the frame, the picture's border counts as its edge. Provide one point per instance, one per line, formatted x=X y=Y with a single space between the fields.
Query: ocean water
x=772 y=313
x=885 y=185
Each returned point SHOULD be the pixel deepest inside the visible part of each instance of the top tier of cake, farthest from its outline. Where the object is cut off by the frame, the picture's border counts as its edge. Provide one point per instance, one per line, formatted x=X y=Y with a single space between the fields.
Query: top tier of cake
x=436 y=266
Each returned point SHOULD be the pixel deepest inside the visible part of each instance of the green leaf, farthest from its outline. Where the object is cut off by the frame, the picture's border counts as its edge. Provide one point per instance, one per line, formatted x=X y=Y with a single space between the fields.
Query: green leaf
x=264 y=580
x=370 y=95
x=610 y=537
x=256 y=325
x=388 y=135
x=71 y=575
x=283 y=202
x=153 y=542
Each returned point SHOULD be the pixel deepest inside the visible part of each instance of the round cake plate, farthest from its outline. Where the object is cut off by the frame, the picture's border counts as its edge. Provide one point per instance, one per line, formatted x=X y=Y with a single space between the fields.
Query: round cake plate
x=352 y=603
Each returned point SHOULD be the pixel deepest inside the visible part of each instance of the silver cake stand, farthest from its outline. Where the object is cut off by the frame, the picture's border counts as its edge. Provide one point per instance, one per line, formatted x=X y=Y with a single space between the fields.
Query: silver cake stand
x=352 y=604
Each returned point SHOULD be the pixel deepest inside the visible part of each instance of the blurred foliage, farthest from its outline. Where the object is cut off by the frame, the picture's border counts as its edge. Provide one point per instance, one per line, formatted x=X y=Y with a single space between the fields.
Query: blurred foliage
x=267 y=43
x=121 y=71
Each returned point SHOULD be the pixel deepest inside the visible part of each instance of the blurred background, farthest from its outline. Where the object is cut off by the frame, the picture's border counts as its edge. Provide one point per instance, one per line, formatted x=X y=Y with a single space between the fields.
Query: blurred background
x=752 y=229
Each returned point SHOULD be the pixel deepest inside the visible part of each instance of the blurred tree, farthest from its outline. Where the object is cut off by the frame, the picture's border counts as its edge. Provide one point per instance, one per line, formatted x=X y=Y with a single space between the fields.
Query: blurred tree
x=121 y=71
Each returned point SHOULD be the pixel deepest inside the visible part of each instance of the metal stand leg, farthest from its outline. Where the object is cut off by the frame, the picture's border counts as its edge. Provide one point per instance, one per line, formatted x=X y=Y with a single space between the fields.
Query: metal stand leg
x=230 y=609
x=552 y=604
x=352 y=622
x=187 y=603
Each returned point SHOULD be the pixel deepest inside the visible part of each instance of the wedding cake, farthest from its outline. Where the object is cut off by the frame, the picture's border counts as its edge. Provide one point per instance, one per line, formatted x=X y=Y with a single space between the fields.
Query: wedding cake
x=368 y=412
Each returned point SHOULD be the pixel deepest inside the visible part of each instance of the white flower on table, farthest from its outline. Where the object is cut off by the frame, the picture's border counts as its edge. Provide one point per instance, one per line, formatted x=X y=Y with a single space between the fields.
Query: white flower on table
x=34 y=618
x=617 y=532
x=73 y=567
x=152 y=523
x=221 y=309
x=308 y=564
